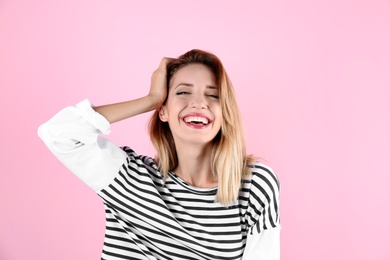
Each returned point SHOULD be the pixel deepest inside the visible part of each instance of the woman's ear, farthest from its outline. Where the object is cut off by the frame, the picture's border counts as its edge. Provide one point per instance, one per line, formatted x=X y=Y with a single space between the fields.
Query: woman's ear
x=162 y=114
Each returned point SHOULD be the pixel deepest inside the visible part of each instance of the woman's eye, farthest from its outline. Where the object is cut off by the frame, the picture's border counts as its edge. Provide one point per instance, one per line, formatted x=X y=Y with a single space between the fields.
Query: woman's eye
x=182 y=93
x=213 y=96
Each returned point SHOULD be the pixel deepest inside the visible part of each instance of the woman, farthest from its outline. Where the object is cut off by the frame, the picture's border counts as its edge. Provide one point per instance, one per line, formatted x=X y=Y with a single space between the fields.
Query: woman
x=202 y=197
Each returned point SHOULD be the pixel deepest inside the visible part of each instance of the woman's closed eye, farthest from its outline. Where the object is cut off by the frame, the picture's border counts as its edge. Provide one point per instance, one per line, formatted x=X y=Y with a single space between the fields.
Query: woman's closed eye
x=214 y=96
x=183 y=93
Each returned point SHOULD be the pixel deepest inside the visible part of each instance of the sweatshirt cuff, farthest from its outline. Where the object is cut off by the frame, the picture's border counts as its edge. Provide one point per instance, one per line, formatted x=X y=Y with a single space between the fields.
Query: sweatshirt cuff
x=94 y=118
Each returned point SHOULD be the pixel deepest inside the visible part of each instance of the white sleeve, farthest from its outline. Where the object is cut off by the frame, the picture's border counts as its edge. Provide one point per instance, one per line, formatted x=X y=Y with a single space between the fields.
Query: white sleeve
x=72 y=135
x=263 y=246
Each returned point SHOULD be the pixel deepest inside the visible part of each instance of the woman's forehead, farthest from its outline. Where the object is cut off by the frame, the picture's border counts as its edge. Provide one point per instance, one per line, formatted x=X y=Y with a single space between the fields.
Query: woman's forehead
x=192 y=73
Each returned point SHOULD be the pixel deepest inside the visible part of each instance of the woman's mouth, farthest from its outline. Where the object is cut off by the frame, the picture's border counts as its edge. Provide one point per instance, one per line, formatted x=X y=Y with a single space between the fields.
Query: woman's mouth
x=196 y=121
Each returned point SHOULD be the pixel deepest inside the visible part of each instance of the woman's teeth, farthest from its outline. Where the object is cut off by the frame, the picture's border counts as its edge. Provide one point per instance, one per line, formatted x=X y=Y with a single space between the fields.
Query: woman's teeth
x=196 y=120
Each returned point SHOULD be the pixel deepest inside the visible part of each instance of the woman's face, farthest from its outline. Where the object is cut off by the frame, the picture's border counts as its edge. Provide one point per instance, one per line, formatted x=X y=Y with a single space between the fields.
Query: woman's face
x=193 y=109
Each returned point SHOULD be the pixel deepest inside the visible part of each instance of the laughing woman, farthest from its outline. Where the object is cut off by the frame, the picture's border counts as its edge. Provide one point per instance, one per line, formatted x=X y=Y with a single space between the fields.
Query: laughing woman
x=202 y=196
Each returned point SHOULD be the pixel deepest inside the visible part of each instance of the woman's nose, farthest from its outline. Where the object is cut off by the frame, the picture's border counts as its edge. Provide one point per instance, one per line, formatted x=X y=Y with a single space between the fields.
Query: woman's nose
x=198 y=101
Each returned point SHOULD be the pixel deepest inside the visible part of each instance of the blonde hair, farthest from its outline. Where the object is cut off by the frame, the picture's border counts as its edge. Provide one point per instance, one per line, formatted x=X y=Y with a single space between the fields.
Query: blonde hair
x=229 y=159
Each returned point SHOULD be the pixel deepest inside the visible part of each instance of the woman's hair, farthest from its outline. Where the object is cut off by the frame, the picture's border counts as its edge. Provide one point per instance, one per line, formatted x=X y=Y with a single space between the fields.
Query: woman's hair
x=229 y=159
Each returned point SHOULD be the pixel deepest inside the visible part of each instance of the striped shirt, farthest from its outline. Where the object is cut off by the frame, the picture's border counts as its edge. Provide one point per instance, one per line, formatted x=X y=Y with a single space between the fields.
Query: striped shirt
x=147 y=218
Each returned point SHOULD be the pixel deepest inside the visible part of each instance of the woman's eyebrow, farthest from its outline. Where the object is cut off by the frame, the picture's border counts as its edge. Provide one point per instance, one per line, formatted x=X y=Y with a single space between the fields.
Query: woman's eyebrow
x=192 y=85
x=185 y=84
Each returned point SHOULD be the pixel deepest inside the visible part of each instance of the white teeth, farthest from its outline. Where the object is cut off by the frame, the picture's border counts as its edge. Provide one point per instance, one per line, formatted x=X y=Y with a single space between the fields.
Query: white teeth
x=196 y=119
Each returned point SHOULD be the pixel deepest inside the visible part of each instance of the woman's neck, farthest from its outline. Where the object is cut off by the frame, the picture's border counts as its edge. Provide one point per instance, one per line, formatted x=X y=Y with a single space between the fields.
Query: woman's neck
x=194 y=165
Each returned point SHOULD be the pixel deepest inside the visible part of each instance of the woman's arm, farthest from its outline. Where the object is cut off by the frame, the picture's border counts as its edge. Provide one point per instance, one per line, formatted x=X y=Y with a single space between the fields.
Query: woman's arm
x=154 y=99
x=263 y=239
x=73 y=134
x=264 y=245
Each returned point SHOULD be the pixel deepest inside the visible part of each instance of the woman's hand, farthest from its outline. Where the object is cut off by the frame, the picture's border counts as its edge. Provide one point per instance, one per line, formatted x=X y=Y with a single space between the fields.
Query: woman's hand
x=158 y=87
x=154 y=100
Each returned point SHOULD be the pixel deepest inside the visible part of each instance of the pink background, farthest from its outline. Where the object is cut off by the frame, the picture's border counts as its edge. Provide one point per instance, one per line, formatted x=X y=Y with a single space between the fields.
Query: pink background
x=312 y=79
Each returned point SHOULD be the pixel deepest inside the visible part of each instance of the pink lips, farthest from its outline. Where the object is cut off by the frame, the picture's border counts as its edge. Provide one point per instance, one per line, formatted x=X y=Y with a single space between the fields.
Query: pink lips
x=196 y=120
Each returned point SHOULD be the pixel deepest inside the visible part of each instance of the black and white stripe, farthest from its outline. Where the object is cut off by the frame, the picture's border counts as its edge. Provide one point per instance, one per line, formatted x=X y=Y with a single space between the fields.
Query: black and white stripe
x=150 y=219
